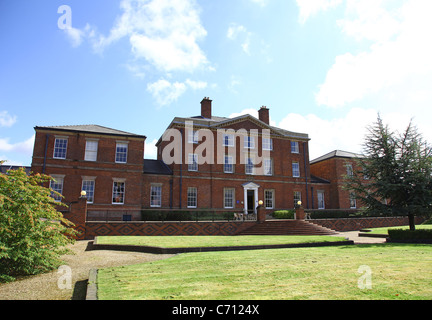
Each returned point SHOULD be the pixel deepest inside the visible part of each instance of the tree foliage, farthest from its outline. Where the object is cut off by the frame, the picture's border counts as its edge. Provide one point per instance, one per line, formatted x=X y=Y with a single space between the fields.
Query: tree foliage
x=33 y=234
x=398 y=172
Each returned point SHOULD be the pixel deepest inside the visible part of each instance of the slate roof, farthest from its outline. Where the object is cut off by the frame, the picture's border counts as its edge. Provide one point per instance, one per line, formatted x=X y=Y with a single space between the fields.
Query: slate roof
x=92 y=128
x=338 y=154
x=5 y=168
x=156 y=167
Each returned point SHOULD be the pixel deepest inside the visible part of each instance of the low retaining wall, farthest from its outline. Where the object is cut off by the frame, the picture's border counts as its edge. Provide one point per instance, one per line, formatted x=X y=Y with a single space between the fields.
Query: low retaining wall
x=354 y=224
x=94 y=229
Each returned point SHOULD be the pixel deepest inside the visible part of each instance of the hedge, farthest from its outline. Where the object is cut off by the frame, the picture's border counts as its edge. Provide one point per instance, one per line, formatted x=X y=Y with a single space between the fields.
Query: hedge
x=406 y=234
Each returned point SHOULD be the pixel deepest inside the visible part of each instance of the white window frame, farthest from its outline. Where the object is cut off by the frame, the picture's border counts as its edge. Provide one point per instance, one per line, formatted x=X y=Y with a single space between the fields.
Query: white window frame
x=192 y=197
x=268 y=166
x=123 y=145
x=249 y=166
x=60 y=148
x=349 y=169
x=296 y=169
x=193 y=162
x=321 y=199
x=57 y=185
x=228 y=140
x=269 y=200
x=297 y=197
x=229 y=196
x=122 y=193
x=352 y=200
x=267 y=144
x=89 y=192
x=295 y=147
x=228 y=165
x=249 y=142
x=155 y=195
x=91 y=150
x=193 y=136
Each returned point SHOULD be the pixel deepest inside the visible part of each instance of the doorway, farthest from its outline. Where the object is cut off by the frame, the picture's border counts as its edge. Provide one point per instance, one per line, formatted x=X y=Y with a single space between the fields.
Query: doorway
x=250 y=201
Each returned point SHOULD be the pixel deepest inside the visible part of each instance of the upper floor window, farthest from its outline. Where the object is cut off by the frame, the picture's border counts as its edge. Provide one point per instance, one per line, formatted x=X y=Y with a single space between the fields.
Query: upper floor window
x=249 y=166
x=296 y=169
x=267 y=143
x=349 y=169
x=57 y=186
x=91 y=150
x=249 y=142
x=268 y=167
x=228 y=165
x=228 y=140
x=121 y=152
x=193 y=162
x=60 y=148
x=193 y=136
x=295 y=147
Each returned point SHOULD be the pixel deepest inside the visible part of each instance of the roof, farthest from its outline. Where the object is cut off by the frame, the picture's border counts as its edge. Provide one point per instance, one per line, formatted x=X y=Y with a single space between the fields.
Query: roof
x=5 y=168
x=92 y=128
x=156 y=167
x=337 y=154
x=221 y=122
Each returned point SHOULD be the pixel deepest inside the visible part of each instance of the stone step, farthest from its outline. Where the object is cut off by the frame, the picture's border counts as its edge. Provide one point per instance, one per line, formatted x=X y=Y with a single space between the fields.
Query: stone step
x=287 y=227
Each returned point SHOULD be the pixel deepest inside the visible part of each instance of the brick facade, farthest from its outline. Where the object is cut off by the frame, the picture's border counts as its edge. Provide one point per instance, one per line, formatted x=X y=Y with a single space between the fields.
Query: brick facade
x=109 y=164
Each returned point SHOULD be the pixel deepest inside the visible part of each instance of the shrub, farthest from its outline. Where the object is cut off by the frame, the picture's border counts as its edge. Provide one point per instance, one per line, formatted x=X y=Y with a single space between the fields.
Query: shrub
x=284 y=214
x=32 y=232
x=406 y=234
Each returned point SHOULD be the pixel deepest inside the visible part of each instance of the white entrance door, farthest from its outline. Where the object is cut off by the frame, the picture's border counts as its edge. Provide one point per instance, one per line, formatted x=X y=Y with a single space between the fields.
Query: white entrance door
x=250 y=197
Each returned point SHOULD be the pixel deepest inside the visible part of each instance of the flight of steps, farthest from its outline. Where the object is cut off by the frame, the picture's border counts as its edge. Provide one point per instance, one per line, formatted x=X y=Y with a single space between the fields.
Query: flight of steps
x=287 y=227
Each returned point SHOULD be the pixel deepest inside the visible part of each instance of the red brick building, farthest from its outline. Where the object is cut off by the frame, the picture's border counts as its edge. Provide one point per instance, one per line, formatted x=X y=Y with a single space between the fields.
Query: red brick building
x=333 y=167
x=204 y=162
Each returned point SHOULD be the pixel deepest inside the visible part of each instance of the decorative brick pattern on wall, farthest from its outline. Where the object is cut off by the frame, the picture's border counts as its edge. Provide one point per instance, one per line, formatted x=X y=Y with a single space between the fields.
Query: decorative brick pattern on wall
x=94 y=229
x=353 y=224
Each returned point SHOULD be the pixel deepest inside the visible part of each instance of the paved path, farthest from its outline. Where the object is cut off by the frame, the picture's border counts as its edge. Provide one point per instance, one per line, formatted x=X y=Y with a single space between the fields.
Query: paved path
x=354 y=235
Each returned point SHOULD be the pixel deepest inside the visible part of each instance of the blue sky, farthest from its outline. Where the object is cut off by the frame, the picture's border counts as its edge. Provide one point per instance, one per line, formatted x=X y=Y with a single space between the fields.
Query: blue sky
x=322 y=67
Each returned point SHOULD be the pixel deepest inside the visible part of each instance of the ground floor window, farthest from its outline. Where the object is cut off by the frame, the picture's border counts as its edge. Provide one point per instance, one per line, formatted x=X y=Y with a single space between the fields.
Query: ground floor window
x=57 y=186
x=192 y=197
x=321 y=203
x=297 y=198
x=352 y=199
x=88 y=186
x=118 y=192
x=155 y=196
x=269 y=199
x=229 y=198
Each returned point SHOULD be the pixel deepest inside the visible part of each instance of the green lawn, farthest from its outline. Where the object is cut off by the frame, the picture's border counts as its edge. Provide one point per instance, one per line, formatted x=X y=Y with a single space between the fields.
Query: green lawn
x=210 y=241
x=385 y=230
x=398 y=272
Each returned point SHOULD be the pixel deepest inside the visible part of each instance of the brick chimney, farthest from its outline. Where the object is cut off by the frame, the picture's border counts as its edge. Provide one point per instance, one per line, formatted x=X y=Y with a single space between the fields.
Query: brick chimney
x=264 y=115
x=206 y=108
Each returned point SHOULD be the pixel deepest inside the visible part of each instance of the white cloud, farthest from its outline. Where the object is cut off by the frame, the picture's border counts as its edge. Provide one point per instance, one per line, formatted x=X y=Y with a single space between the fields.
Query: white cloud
x=6 y=120
x=163 y=32
x=261 y=3
x=236 y=31
x=395 y=67
x=166 y=92
x=309 y=8
x=24 y=147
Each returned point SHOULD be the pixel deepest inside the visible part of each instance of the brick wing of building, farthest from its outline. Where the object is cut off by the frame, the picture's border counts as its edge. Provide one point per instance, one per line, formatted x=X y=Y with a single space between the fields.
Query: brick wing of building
x=204 y=162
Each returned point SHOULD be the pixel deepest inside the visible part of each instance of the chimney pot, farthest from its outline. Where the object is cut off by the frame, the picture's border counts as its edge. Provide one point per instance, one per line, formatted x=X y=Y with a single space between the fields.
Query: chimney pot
x=206 y=108
x=263 y=114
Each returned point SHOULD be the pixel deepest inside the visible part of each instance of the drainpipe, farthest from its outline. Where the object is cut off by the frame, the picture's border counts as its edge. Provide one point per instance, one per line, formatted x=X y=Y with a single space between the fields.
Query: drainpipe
x=181 y=169
x=307 y=191
x=45 y=153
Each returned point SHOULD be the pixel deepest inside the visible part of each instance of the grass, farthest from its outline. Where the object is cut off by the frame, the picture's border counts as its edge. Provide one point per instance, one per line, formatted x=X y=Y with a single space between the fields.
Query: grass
x=398 y=272
x=212 y=241
x=385 y=229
